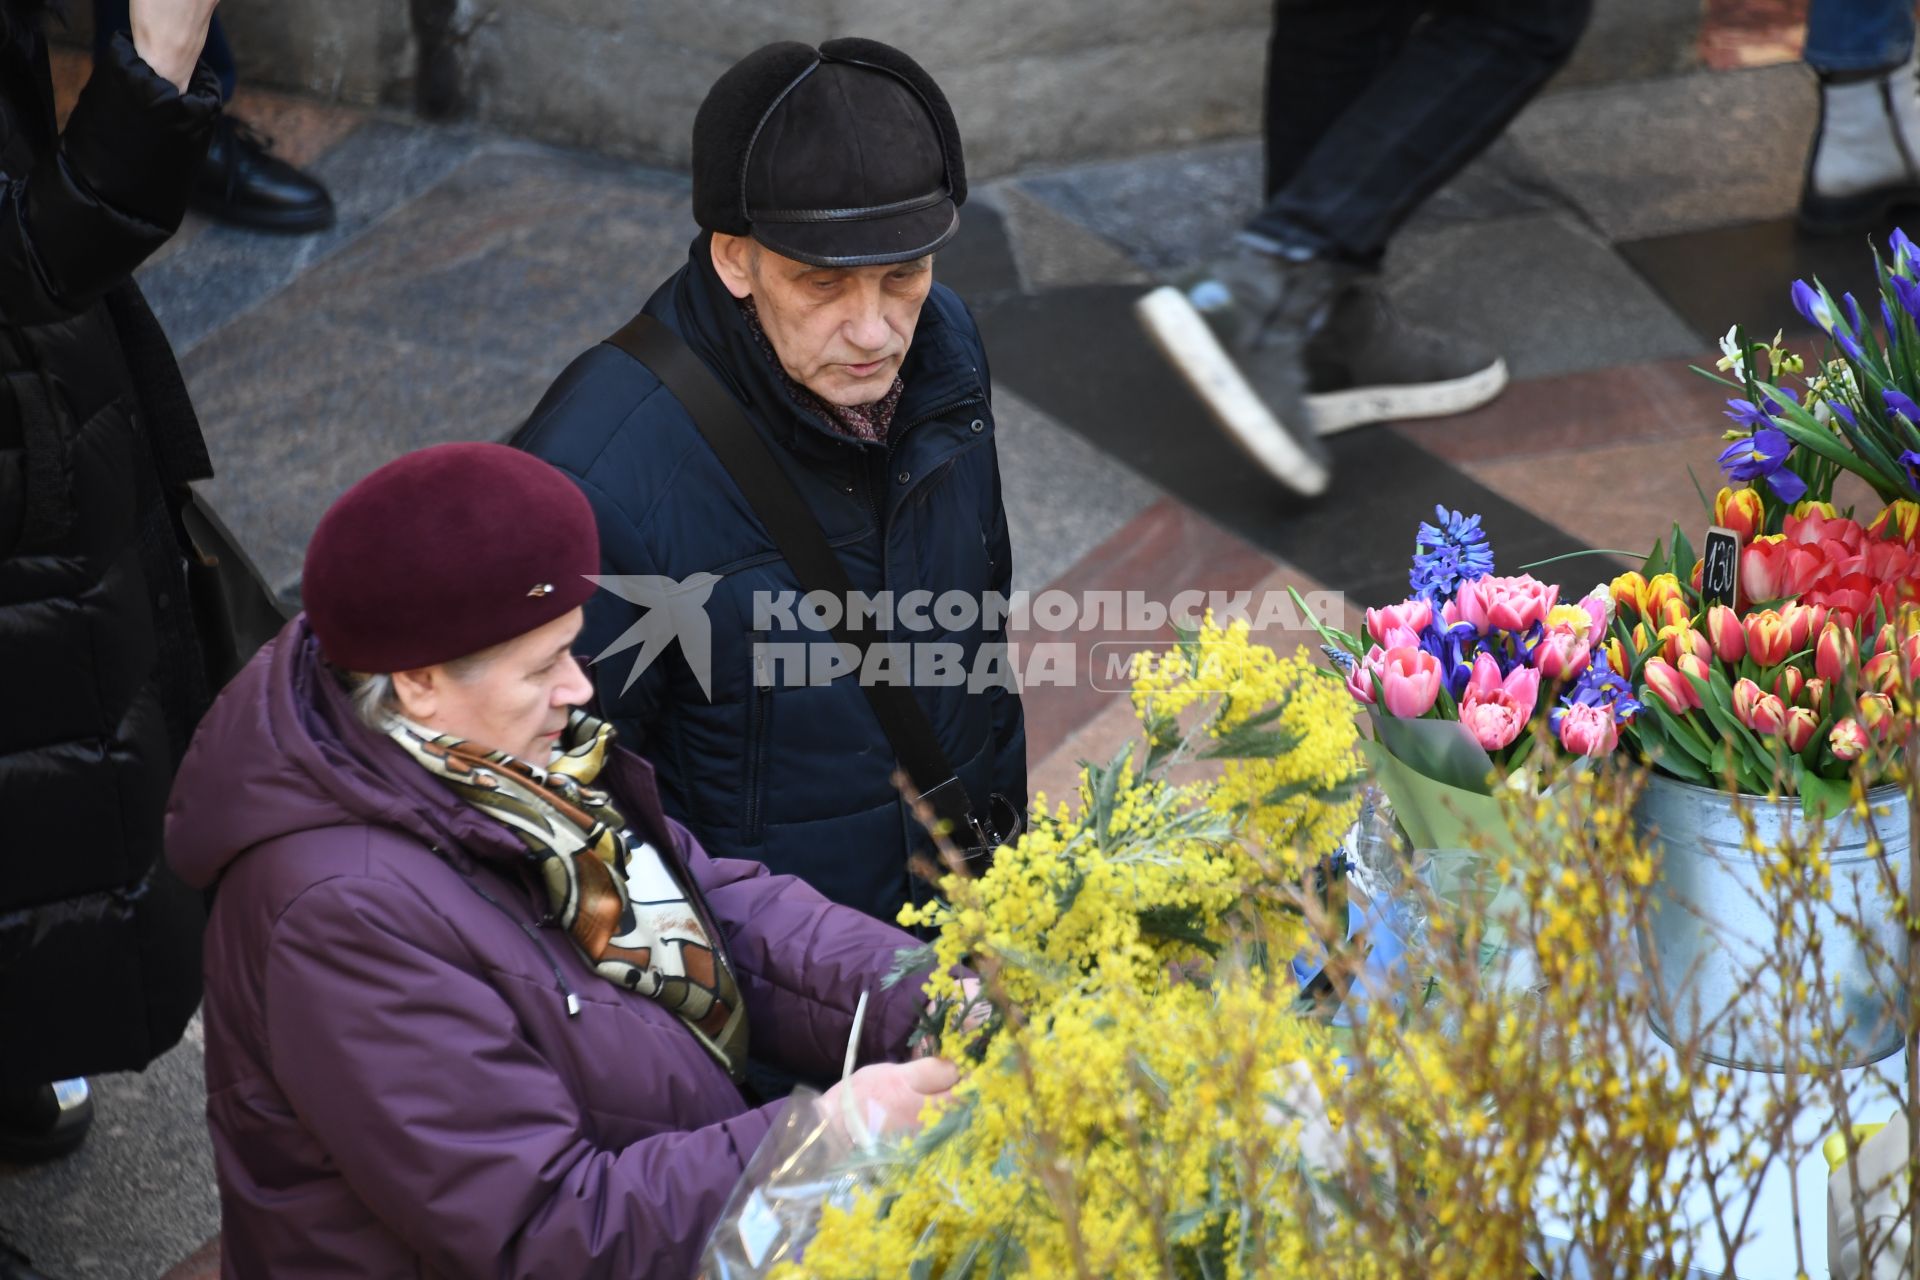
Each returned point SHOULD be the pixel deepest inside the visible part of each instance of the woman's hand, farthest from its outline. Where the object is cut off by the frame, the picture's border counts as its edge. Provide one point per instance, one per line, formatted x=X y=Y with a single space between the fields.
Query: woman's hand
x=887 y=1098
x=169 y=35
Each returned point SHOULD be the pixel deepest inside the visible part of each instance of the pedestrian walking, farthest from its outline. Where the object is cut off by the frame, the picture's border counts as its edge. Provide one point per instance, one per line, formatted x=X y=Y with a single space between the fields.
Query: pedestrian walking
x=1286 y=335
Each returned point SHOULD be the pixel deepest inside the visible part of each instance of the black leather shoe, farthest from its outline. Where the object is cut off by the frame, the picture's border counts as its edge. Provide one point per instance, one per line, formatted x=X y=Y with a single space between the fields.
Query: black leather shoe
x=42 y=1123
x=243 y=183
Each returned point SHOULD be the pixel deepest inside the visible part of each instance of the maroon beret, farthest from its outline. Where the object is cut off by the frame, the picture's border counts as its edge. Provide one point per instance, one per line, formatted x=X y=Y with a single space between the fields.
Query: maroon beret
x=444 y=552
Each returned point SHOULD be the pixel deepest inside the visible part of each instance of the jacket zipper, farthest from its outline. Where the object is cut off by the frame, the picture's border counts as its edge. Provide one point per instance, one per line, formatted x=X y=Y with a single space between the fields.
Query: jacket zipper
x=758 y=696
x=698 y=898
x=532 y=931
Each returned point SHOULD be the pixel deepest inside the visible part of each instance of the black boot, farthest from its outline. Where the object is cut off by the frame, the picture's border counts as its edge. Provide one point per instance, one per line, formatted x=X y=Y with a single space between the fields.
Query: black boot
x=41 y=1123
x=243 y=183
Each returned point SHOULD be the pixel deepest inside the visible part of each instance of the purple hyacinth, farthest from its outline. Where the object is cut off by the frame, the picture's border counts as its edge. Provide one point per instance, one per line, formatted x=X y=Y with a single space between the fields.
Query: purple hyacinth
x=1447 y=554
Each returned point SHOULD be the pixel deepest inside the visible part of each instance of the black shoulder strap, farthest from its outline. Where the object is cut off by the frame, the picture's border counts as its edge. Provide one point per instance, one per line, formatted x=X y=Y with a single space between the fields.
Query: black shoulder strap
x=796 y=533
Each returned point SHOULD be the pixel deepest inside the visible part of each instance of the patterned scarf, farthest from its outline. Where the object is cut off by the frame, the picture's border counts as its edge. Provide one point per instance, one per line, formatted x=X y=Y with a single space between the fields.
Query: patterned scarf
x=861 y=421
x=616 y=897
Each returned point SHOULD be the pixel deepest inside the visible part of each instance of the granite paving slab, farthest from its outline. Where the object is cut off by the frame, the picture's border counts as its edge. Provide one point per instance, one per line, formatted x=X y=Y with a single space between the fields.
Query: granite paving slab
x=1543 y=290
x=1169 y=210
x=1109 y=384
x=1722 y=276
x=1540 y=419
x=138 y=1196
x=1655 y=157
x=1053 y=250
x=1164 y=210
x=978 y=263
x=296 y=408
x=522 y=255
x=223 y=272
x=1064 y=497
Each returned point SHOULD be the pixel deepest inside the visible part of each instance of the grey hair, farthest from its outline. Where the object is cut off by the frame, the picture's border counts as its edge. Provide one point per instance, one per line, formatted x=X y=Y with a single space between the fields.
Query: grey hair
x=375 y=704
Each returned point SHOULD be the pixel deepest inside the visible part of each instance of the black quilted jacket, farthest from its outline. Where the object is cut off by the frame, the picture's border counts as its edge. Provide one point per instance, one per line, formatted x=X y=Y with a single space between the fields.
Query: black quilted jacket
x=100 y=675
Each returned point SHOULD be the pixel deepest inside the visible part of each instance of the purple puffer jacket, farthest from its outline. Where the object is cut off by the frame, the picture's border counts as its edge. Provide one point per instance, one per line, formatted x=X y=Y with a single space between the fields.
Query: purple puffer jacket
x=394 y=1083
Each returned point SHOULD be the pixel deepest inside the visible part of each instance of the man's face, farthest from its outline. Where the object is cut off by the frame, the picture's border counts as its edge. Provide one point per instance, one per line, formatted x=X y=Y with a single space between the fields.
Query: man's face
x=840 y=332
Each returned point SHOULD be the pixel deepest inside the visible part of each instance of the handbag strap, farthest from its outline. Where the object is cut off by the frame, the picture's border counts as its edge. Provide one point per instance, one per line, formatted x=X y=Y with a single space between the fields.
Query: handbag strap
x=797 y=536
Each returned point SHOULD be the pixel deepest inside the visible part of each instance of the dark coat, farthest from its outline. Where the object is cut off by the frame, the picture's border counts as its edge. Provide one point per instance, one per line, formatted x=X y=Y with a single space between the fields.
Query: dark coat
x=800 y=778
x=394 y=1083
x=100 y=672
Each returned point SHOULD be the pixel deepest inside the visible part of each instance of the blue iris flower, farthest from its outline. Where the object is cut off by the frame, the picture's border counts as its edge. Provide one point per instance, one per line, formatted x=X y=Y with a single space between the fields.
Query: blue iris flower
x=1911 y=461
x=1901 y=403
x=1763 y=455
x=1905 y=253
x=1843 y=413
x=1598 y=686
x=1447 y=554
x=1907 y=292
x=1812 y=307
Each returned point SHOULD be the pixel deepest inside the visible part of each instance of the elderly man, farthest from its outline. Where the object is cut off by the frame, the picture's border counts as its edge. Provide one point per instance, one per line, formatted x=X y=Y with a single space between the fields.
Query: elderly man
x=824 y=182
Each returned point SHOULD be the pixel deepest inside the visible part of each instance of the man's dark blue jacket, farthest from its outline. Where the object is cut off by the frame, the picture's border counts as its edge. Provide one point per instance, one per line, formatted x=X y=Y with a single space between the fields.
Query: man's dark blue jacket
x=798 y=777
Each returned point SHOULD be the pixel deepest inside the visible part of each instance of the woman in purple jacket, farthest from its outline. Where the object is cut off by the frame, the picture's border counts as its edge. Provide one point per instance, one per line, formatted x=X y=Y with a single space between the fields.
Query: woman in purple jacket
x=474 y=1005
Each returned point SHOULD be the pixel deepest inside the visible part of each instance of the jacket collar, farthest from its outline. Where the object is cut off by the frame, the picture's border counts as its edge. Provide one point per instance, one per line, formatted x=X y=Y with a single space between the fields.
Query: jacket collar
x=939 y=369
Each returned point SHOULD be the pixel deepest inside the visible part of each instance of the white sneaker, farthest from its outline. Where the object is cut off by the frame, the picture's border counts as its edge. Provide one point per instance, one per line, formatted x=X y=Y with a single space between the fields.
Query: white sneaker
x=1865 y=159
x=1236 y=332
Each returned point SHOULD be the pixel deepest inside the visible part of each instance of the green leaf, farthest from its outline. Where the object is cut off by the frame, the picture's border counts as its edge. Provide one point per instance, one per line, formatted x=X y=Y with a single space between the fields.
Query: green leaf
x=1105 y=792
x=1337 y=638
x=1681 y=564
x=907 y=962
x=962 y=1267
x=1295 y=790
x=1439 y=749
x=1179 y=924
x=1678 y=731
x=1822 y=798
x=1706 y=503
x=1251 y=739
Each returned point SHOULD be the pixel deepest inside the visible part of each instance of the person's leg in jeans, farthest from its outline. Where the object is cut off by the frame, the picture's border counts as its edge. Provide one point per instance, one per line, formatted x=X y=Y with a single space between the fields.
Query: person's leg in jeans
x=241 y=181
x=1322 y=57
x=1865 y=158
x=1458 y=76
x=1371 y=105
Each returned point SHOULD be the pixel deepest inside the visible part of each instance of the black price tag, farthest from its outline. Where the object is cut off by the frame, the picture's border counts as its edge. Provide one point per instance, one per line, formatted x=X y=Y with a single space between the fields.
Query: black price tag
x=1720 y=568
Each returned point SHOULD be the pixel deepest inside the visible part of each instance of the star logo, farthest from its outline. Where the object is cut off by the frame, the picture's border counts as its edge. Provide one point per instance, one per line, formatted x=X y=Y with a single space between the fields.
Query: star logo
x=673 y=609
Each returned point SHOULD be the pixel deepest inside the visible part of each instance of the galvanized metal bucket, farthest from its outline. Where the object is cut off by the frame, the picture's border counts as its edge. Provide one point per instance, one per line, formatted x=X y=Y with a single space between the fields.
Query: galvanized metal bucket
x=1711 y=926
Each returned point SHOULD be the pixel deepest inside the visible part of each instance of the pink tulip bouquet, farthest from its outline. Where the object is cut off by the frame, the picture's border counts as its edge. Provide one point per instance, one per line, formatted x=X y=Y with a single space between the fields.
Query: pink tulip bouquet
x=1512 y=676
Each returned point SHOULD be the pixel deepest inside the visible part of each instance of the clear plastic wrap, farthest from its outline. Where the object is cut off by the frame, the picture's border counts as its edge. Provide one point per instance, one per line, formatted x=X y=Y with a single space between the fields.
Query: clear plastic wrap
x=803 y=1165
